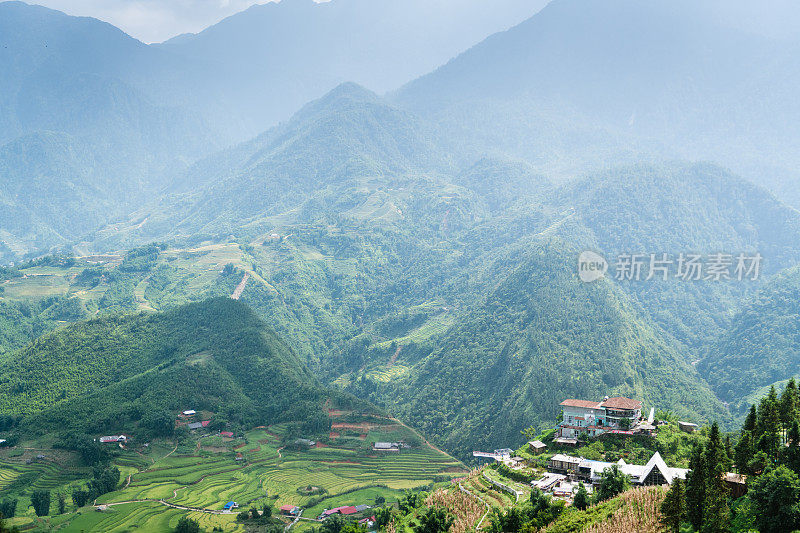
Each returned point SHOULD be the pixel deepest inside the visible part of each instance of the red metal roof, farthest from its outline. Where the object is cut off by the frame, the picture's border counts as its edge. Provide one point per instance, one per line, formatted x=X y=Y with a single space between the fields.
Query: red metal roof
x=348 y=510
x=205 y=423
x=621 y=403
x=226 y=433
x=586 y=404
x=287 y=507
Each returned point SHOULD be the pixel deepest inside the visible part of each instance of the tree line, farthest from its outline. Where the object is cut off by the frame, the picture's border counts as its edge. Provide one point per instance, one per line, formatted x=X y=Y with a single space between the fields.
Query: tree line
x=766 y=456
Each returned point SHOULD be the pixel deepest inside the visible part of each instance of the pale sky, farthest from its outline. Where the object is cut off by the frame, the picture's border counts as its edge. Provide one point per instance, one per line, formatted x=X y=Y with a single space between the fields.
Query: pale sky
x=158 y=20
x=153 y=20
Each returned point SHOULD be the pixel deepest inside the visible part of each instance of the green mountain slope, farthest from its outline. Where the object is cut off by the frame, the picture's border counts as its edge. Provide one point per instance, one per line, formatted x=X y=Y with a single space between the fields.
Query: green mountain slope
x=762 y=344
x=349 y=135
x=108 y=373
x=645 y=209
x=540 y=336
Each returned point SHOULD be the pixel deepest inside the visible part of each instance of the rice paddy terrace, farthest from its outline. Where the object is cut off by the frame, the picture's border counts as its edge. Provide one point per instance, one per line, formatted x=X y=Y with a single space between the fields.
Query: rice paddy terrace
x=163 y=481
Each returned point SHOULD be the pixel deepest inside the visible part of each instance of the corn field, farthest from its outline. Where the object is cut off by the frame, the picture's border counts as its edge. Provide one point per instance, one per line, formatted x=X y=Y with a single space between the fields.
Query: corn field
x=467 y=510
x=640 y=513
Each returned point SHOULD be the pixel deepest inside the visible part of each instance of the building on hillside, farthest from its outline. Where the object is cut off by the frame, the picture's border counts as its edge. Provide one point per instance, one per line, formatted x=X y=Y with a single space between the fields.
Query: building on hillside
x=228 y=434
x=230 y=506
x=305 y=442
x=536 y=447
x=387 y=446
x=548 y=481
x=113 y=439
x=736 y=483
x=688 y=427
x=501 y=455
x=563 y=464
x=290 y=510
x=612 y=415
x=346 y=510
x=189 y=412
x=195 y=425
x=655 y=472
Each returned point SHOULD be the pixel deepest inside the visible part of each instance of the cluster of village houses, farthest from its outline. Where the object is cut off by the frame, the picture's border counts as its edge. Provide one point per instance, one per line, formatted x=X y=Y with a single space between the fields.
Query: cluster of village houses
x=589 y=419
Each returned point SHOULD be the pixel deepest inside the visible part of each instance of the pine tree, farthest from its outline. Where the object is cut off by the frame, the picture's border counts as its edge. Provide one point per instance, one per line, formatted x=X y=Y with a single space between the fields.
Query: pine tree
x=696 y=488
x=743 y=452
x=792 y=453
x=750 y=421
x=769 y=420
x=788 y=404
x=673 y=508
x=716 y=513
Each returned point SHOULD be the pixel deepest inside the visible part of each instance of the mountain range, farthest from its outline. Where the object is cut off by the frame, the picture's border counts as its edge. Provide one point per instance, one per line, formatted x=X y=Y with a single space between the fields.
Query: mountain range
x=417 y=249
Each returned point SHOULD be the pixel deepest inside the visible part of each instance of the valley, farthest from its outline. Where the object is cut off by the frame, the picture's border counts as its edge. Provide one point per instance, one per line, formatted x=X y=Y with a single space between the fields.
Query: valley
x=317 y=255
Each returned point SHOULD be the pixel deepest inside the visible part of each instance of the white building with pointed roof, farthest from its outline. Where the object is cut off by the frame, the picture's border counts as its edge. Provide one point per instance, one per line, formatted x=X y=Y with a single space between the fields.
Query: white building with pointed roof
x=655 y=472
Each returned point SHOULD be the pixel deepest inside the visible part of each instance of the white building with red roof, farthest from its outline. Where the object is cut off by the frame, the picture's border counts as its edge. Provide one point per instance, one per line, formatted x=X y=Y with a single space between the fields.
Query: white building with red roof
x=611 y=415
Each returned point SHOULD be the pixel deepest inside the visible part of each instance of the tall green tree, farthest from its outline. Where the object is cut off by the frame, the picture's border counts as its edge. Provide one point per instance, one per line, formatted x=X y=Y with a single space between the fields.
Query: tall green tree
x=613 y=481
x=788 y=404
x=40 y=499
x=333 y=524
x=383 y=516
x=187 y=525
x=769 y=419
x=750 y=421
x=791 y=455
x=716 y=512
x=776 y=498
x=743 y=452
x=696 y=488
x=673 y=508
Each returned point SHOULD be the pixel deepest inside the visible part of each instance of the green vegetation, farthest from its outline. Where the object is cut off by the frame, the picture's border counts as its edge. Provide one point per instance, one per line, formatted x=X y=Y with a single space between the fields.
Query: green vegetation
x=112 y=374
x=537 y=512
x=761 y=346
x=766 y=453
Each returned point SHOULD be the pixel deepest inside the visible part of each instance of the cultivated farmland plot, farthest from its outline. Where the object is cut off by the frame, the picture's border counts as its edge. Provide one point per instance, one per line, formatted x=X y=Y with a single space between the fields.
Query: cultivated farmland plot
x=164 y=482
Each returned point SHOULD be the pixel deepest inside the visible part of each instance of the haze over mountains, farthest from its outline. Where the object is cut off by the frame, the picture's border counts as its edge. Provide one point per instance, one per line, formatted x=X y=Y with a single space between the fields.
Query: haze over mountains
x=430 y=234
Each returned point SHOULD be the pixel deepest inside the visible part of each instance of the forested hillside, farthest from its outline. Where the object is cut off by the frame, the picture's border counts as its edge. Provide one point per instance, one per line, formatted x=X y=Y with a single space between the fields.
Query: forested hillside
x=111 y=373
x=418 y=250
x=762 y=345
x=541 y=336
x=380 y=259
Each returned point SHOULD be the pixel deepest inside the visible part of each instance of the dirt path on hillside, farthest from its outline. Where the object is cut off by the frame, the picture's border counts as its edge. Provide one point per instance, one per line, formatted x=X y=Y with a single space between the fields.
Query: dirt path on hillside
x=393 y=360
x=240 y=288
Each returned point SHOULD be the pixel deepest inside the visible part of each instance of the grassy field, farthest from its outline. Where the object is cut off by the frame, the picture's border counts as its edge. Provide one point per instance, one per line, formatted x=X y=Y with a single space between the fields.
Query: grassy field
x=192 y=271
x=204 y=473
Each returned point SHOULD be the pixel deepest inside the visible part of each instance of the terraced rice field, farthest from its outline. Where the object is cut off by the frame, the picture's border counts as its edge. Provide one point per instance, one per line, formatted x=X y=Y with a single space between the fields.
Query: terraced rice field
x=267 y=474
x=476 y=484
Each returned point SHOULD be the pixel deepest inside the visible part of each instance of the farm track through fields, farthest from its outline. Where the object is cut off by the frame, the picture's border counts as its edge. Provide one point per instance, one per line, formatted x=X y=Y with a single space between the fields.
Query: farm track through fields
x=488 y=507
